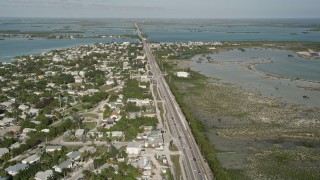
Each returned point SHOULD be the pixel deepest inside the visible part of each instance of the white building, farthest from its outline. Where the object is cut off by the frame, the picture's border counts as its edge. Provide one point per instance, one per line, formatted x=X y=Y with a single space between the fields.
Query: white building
x=31 y=159
x=183 y=74
x=79 y=133
x=64 y=165
x=53 y=148
x=133 y=148
x=43 y=175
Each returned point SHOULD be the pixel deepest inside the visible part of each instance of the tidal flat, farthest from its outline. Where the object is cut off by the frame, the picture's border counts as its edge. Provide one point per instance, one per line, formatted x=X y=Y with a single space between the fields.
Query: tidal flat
x=256 y=136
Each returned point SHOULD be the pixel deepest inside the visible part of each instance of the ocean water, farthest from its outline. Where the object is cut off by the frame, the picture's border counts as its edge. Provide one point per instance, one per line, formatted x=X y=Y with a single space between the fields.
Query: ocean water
x=11 y=47
x=233 y=30
x=159 y=30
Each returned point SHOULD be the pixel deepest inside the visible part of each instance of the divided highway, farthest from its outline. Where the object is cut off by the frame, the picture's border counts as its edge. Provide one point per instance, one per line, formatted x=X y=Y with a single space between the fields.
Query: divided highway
x=193 y=162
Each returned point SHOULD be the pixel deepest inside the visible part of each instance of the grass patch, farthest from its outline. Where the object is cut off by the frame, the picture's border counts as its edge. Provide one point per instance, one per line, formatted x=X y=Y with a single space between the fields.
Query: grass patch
x=89 y=125
x=173 y=147
x=155 y=91
x=105 y=87
x=176 y=165
x=90 y=115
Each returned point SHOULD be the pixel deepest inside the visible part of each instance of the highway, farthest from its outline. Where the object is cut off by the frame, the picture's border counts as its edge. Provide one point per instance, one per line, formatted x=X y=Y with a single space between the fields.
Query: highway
x=193 y=162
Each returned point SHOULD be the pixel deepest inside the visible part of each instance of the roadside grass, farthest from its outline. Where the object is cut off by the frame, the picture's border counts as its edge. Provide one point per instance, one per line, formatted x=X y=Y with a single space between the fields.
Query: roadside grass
x=176 y=165
x=90 y=115
x=168 y=175
x=155 y=91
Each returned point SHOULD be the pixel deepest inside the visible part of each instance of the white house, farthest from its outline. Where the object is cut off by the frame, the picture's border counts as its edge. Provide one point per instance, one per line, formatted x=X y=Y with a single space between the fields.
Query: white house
x=64 y=165
x=133 y=148
x=110 y=82
x=182 y=74
x=27 y=130
x=13 y=170
x=53 y=148
x=74 y=155
x=31 y=159
x=79 y=133
x=23 y=107
x=43 y=175
x=144 y=163
x=89 y=149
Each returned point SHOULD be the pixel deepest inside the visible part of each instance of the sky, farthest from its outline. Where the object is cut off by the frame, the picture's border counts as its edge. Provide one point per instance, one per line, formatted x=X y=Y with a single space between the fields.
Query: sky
x=161 y=8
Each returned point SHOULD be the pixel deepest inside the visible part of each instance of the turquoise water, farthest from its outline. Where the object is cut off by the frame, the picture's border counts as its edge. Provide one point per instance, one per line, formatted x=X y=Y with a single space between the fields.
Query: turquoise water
x=233 y=30
x=161 y=30
x=10 y=48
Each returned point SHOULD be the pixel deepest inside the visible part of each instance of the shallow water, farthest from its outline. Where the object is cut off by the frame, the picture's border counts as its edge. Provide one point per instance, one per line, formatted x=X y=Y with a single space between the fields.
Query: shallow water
x=231 y=67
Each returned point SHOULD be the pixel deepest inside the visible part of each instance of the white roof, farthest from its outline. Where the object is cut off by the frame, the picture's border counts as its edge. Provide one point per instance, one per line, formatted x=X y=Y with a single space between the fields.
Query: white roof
x=79 y=132
x=3 y=151
x=134 y=145
x=32 y=158
x=43 y=175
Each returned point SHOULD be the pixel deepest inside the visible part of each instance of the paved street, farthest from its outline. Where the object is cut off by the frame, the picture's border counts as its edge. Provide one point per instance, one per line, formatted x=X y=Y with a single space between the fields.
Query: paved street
x=193 y=161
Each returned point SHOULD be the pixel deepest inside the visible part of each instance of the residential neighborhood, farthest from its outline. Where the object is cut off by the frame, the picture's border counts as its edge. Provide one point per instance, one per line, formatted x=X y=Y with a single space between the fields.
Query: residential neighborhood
x=83 y=112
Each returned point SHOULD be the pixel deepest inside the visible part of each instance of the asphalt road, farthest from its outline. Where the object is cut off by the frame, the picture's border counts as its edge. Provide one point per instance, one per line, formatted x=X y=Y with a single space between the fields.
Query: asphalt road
x=194 y=163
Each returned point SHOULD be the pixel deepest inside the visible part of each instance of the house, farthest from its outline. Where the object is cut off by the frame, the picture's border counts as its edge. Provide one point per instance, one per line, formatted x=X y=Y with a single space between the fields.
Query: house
x=144 y=163
x=112 y=105
x=43 y=175
x=64 y=165
x=78 y=79
x=133 y=148
x=13 y=170
x=143 y=102
x=115 y=116
x=75 y=155
x=133 y=115
x=154 y=134
x=53 y=148
x=27 y=130
x=31 y=159
x=182 y=74
x=3 y=151
x=89 y=149
x=15 y=145
x=34 y=112
x=110 y=82
x=23 y=107
x=79 y=133
x=45 y=130
x=118 y=135
x=8 y=121
x=110 y=120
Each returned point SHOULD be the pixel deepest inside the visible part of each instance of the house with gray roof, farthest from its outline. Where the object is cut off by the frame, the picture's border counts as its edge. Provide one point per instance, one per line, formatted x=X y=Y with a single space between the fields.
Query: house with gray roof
x=64 y=165
x=3 y=151
x=31 y=159
x=15 y=169
x=75 y=155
